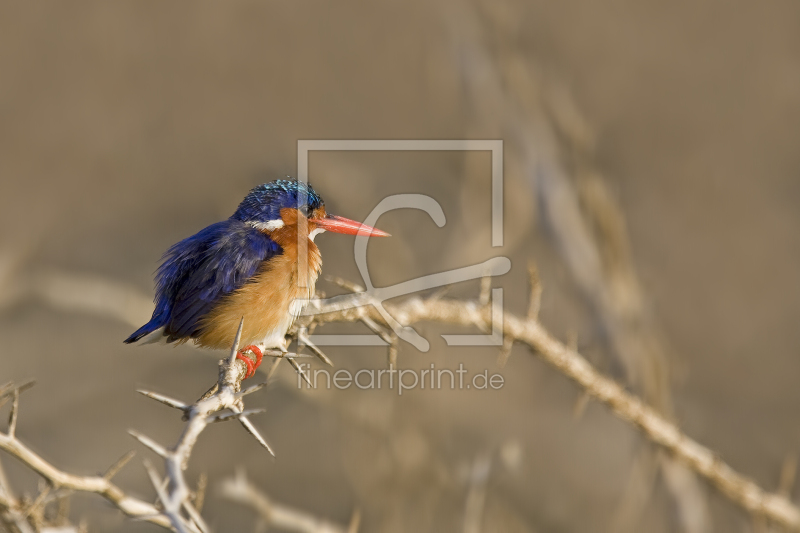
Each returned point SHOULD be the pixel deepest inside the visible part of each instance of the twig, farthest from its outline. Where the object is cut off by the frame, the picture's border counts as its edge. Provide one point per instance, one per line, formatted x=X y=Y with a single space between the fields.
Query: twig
x=476 y=497
x=11 y=515
x=35 y=507
x=200 y=492
x=569 y=362
x=116 y=467
x=226 y=394
x=554 y=145
x=277 y=515
x=394 y=348
x=637 y=492
x=505 y=352
x=656 y=427
x=788 y=474
x=355 y=522
x=535 y=302
x=176 y=510
x=303 y=339
x=129 y=505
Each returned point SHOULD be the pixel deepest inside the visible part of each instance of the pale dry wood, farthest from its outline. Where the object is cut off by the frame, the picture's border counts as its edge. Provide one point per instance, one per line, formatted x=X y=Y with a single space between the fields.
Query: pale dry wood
x=655 y=427
x=570 y=363
x=279 y=516
x=628 y=407
x=788 y=474
x=129 y=505
x=11 y=514
x=549 y=141
x=176 y=510
x=476 y=495
x=226 y=395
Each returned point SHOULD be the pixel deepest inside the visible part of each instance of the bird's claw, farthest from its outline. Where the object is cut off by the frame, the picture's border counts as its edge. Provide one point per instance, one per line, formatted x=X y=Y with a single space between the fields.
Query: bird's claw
x=251 y=365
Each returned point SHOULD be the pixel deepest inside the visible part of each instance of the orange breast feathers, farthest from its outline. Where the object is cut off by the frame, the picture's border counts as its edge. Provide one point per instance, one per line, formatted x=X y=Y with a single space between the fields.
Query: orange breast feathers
x=266 y=302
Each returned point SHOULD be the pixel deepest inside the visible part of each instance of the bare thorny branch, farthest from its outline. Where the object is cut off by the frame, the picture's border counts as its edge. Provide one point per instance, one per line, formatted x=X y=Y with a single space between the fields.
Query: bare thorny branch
x=606 y=279
x=17 y=518
x=177 y=507
x=176 y=497
x=630 y=408
x=547 y=136
x=179 y=514
x=240 y=490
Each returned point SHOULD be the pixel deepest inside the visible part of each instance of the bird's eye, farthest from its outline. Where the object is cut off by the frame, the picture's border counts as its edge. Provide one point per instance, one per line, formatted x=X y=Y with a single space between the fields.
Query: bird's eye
x=305 y=210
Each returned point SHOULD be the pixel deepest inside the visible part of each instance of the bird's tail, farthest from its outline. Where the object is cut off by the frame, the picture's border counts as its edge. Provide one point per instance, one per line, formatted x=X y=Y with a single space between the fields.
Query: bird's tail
x=150 y=333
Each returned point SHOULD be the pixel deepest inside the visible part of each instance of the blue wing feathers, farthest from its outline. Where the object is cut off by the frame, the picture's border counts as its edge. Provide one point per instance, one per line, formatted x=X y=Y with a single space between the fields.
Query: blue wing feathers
x=199 y=270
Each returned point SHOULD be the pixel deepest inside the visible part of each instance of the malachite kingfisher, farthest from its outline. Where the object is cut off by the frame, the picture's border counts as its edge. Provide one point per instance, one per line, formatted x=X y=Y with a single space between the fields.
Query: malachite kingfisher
x=246 y=266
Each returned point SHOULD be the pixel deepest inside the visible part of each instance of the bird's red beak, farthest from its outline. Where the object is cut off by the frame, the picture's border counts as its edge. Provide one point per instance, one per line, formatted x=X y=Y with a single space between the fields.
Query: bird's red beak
x=349 y=227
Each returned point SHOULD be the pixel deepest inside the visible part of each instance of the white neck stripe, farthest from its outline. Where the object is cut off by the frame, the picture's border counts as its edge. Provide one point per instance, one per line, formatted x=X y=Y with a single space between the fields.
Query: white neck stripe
x=314 y=233
x=272 y=225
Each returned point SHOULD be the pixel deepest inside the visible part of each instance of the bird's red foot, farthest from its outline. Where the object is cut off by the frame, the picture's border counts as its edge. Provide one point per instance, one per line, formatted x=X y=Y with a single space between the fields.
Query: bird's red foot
x=251 y=366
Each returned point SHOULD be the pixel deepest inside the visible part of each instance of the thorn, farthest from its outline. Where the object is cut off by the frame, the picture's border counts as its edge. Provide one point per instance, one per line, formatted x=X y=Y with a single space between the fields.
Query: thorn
x=439 y=293
x=581 y=402
x=195 y=516
x=788 y=473
x=200 y=493
x=505 y=351
x=8 y=390
x=26 y=385
x=486 y=288
x=284 y=355
x=114 y=469
x=252 y=430
x=313 y=347
x=145 y=517
x=299 y=371
x=147 y=441
x=63 y=508
x=251 y=390
x=536 y=292
x=229 y=416
x=166 y=400
x=394 y=348
x=343 y=283
x=381 y=332
x=572 y=340
x=273 y=368
x=38 y=501
x=355 y=521
x=12 y=416
x=156 y=481
x=208 y=394
x=240 y=476
x=236 y=341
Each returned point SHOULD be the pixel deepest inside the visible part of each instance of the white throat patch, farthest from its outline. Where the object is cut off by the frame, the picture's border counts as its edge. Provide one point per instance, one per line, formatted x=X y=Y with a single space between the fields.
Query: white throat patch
x=272 y=225
x=314 y=233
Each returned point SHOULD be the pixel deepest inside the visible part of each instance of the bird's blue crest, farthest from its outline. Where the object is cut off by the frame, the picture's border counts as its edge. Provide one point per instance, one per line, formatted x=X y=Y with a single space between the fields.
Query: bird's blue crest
x=264 y=203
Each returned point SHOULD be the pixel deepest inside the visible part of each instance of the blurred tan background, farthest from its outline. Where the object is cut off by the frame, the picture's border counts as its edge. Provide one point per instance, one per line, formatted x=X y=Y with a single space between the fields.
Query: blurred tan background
x=127 y=126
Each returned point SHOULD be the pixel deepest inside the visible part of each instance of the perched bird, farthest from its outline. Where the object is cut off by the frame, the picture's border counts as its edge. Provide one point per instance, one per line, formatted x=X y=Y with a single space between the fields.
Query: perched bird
x=247 y=266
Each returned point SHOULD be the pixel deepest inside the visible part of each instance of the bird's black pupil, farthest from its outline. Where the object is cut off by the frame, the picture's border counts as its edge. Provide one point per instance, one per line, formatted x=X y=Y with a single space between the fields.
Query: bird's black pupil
x=304 y=210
